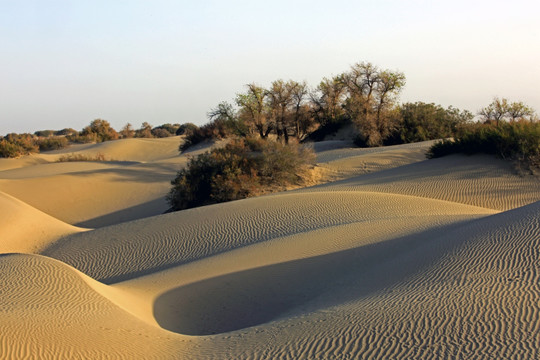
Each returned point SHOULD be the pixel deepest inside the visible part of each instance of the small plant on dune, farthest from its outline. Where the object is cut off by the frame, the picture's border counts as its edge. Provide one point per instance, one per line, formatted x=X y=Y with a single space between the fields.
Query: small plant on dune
x=82 y=157
x=243 y=168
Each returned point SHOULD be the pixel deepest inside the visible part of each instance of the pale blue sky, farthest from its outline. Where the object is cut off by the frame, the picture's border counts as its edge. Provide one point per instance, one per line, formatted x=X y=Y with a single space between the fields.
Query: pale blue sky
x=65 y=63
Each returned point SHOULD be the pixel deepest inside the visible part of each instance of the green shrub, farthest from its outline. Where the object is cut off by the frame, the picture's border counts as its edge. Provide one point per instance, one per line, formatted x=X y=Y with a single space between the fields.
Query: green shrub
x=243 y=168
x=518 y=140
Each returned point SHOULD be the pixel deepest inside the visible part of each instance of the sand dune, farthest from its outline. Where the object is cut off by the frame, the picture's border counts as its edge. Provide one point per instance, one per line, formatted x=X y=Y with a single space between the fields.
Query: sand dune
x=95 y=194
x=401 y=258
x=479 y=180
x=28 y=230
x=58 y=313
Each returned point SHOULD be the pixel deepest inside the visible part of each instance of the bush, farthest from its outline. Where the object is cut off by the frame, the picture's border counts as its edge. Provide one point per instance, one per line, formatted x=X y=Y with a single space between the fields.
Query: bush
x=45 y=133
x=99 y=130
x=170 y=129
x=161 y=133
x=518 y=141
x=213 y=130
x=81 y=157
x=186 y=129
x=243 y=168
x=14 y=145
x=52 y=143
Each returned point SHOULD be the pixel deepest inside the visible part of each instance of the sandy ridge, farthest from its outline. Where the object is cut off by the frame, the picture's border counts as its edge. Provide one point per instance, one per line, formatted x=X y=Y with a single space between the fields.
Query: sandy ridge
x=144 y=246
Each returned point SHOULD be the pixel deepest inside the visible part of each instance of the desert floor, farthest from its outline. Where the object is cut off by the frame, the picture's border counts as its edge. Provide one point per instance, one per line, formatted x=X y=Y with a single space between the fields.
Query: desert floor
x=394 y=257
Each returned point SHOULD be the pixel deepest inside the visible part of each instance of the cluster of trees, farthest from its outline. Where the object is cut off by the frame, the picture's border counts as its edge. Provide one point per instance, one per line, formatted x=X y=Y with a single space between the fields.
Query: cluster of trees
x=99 y=130
x=365 y=96
x=504 y=110
x=244 y=167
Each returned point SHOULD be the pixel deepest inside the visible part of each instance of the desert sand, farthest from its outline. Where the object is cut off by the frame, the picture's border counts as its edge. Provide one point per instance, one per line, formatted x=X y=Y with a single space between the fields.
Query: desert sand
x=393 y=257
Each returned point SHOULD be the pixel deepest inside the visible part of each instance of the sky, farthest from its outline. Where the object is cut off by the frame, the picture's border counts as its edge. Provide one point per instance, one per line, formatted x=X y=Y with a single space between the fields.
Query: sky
x=65 y=63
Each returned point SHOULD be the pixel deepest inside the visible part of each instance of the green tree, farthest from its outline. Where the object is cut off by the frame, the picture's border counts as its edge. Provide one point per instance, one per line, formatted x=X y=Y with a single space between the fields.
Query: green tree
x=327 y=101
x=420 y=121
x=254 y=111
x=504 y=110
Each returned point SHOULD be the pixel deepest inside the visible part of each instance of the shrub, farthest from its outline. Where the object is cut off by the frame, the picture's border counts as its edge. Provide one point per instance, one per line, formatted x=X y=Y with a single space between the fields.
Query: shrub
x=243 y=168
x=213 y=130
x=52 y=143
x=169 y=128
x=161 y=133
x=81 y=157
x=186 y=129
x=518 y=141
x=45 y=133
x=14 y=145
x=99 y=130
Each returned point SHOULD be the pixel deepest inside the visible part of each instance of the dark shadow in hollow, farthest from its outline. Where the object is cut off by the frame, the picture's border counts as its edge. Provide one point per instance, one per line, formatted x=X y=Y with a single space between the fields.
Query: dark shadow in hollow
x=256 y=296
x=147 y=209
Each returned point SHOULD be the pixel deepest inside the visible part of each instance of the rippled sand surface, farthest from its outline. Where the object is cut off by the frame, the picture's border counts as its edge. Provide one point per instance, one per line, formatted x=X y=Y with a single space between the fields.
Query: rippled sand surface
x=395 y=257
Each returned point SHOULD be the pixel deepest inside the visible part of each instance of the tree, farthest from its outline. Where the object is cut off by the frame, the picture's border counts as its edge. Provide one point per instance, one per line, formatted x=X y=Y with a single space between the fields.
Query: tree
x=371 y=93
x=501 y=110
x=420 y=121
x=280 y=98
x=127 y=131
x=226 y=116
x=254 y=110
x=518 y=110
x=242 y=168
x=301 y=119
x=327 y=100
x=145 y=131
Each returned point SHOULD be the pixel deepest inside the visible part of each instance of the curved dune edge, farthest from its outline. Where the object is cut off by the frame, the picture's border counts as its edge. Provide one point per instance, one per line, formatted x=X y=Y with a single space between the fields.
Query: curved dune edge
x=28 y=230
x=144 y=246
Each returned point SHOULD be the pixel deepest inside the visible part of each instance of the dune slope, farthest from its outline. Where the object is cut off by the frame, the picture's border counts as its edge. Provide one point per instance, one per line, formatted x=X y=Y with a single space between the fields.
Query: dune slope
x=28 y=230
x=471 y=293
x=56 y=313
